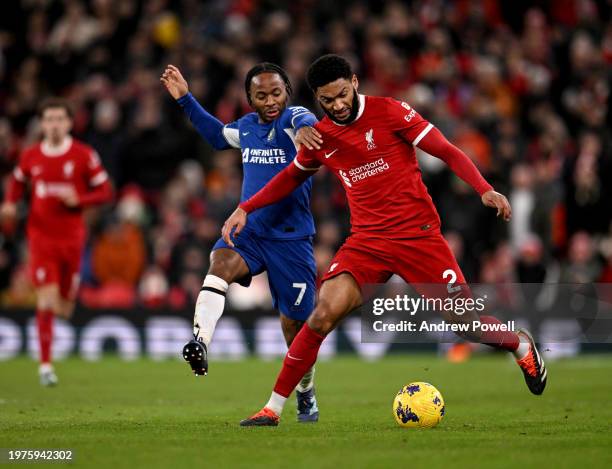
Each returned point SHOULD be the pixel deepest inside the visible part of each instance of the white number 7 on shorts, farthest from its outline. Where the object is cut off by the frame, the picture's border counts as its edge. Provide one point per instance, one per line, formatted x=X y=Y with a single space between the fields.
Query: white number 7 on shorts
x=302 y=287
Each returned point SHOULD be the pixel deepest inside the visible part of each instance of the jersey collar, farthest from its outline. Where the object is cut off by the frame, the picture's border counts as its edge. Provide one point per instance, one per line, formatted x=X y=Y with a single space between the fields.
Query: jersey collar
x=48 y=150
x=362 y=101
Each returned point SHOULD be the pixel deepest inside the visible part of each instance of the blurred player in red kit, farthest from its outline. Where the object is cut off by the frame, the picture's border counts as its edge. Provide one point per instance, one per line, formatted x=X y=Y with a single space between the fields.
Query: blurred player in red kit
x=369 y=144
x=64 y=176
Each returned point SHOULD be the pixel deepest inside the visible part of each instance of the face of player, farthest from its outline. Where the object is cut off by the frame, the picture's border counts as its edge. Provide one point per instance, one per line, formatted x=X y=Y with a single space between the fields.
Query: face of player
x=340 y=100
x=268 y=96
x=56 y=124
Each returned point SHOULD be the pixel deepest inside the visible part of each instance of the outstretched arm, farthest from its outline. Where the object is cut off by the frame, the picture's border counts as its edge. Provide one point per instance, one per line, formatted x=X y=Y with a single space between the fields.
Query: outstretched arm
x=279 y=187
x=207 y=125
x=411 y=126
x=437 y=145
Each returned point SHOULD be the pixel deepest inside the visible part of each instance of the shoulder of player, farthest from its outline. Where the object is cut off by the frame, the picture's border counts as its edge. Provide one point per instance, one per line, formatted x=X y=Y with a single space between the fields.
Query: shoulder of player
x=80 y=146
x=82 y=149
x=248 y=119
x=30 y=151
x=387 y=102
x=30 y=155
x=325 y=124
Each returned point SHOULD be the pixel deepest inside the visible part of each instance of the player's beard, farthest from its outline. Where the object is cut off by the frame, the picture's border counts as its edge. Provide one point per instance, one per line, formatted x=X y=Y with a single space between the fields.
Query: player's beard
x=352 y=115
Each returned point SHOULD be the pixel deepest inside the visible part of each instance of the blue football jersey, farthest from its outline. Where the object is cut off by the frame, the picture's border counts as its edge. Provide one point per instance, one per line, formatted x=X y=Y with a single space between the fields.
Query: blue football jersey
x=266 y=150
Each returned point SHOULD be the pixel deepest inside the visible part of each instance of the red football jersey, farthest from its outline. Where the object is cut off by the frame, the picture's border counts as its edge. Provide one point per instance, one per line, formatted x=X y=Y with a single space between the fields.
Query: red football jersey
x=375 y=159
x=52 y=173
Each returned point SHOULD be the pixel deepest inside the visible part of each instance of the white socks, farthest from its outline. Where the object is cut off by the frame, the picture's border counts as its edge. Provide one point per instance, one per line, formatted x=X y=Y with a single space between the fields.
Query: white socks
x=522 y=350
x=209 y=307
x=307 y=381
x=276 y=403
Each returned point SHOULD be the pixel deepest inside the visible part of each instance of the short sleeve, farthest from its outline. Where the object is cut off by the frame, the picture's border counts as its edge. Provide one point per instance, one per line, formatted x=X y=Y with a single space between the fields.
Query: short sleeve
x=306 y=160
x=95 y=171
x=231 y=133
x=405 y=121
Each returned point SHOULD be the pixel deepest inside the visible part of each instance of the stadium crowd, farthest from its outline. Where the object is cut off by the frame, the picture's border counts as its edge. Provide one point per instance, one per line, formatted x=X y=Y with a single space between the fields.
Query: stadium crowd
x=522 y=87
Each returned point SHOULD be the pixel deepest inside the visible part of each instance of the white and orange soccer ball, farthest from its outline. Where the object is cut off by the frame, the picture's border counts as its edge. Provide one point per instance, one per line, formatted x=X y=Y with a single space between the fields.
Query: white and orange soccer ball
x=418 y=404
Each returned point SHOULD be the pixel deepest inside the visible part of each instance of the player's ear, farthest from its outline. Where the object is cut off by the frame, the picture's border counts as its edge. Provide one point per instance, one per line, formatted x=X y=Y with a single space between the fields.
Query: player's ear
x=355 y=81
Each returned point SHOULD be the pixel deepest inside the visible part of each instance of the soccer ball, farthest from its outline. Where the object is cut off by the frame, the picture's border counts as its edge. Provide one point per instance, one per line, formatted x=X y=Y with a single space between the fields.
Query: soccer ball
x=418 y=404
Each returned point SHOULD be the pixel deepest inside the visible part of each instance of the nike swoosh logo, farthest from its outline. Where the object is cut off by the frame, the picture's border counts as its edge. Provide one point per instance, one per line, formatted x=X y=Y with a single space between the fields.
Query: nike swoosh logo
x=327 y=155
x=245 y=133
x=293 y=358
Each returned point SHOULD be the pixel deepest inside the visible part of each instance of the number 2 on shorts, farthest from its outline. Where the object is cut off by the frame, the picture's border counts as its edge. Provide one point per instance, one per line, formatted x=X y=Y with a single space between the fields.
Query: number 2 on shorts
x=451 y=288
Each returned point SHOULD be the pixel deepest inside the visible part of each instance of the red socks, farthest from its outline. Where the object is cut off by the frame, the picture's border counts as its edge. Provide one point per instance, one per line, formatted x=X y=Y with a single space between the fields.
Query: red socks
x=44 y=322
x=299 y=359
x=506 y=340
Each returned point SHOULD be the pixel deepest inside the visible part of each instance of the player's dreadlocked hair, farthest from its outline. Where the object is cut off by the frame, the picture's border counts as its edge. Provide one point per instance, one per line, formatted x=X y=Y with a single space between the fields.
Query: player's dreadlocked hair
x=265 y=67
x=326 y=69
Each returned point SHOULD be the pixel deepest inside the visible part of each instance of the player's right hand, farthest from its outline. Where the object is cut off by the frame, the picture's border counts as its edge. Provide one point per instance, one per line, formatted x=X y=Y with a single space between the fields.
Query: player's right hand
x=498 y=201
x=8 y=211
x=309 y=137
x=174 y=82
x=236 y=220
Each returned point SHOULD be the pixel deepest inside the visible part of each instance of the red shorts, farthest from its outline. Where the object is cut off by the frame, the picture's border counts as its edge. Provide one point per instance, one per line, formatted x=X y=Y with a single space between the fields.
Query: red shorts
x=373 y=260
x=53 y=262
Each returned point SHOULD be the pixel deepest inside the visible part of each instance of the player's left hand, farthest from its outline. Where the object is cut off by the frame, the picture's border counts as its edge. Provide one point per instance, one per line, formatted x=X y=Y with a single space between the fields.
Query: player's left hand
x=496 y=200
x=236 y=220
x=309 y=137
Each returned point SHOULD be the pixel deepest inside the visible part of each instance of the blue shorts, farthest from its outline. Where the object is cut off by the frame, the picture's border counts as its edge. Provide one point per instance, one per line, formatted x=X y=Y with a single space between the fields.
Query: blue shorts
x=291 y=270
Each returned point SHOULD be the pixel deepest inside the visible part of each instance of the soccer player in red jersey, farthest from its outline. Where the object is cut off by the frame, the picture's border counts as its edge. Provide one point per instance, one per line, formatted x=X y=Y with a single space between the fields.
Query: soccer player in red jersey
x=65 y=176
x=369 y=144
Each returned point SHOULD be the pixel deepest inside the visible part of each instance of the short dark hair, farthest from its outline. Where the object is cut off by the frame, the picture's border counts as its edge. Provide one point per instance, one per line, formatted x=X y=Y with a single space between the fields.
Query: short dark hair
x=327 y=69
x=55 y=102
x=265 y=67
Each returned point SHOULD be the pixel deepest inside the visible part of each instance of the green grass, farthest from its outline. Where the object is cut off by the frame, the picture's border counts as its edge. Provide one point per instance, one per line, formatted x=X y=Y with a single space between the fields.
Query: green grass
x=155 y=414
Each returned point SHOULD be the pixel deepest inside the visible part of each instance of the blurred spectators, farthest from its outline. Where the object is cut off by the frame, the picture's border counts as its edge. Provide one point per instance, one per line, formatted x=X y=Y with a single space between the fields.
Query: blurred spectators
x=582 y=264
x=524 y=90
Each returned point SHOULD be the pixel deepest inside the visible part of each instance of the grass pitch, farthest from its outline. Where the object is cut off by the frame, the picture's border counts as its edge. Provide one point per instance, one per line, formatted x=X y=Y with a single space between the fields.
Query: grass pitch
x=156 y=414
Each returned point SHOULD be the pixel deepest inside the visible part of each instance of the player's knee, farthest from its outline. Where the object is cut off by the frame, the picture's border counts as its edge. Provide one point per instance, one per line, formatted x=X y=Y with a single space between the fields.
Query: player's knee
x=48 y=300
x=223 y=268
x=67 y=309
x=322 y=320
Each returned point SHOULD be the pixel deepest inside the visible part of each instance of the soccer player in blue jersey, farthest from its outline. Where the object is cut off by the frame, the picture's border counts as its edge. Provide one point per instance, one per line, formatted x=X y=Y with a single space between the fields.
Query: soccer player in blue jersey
x=279 y=238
